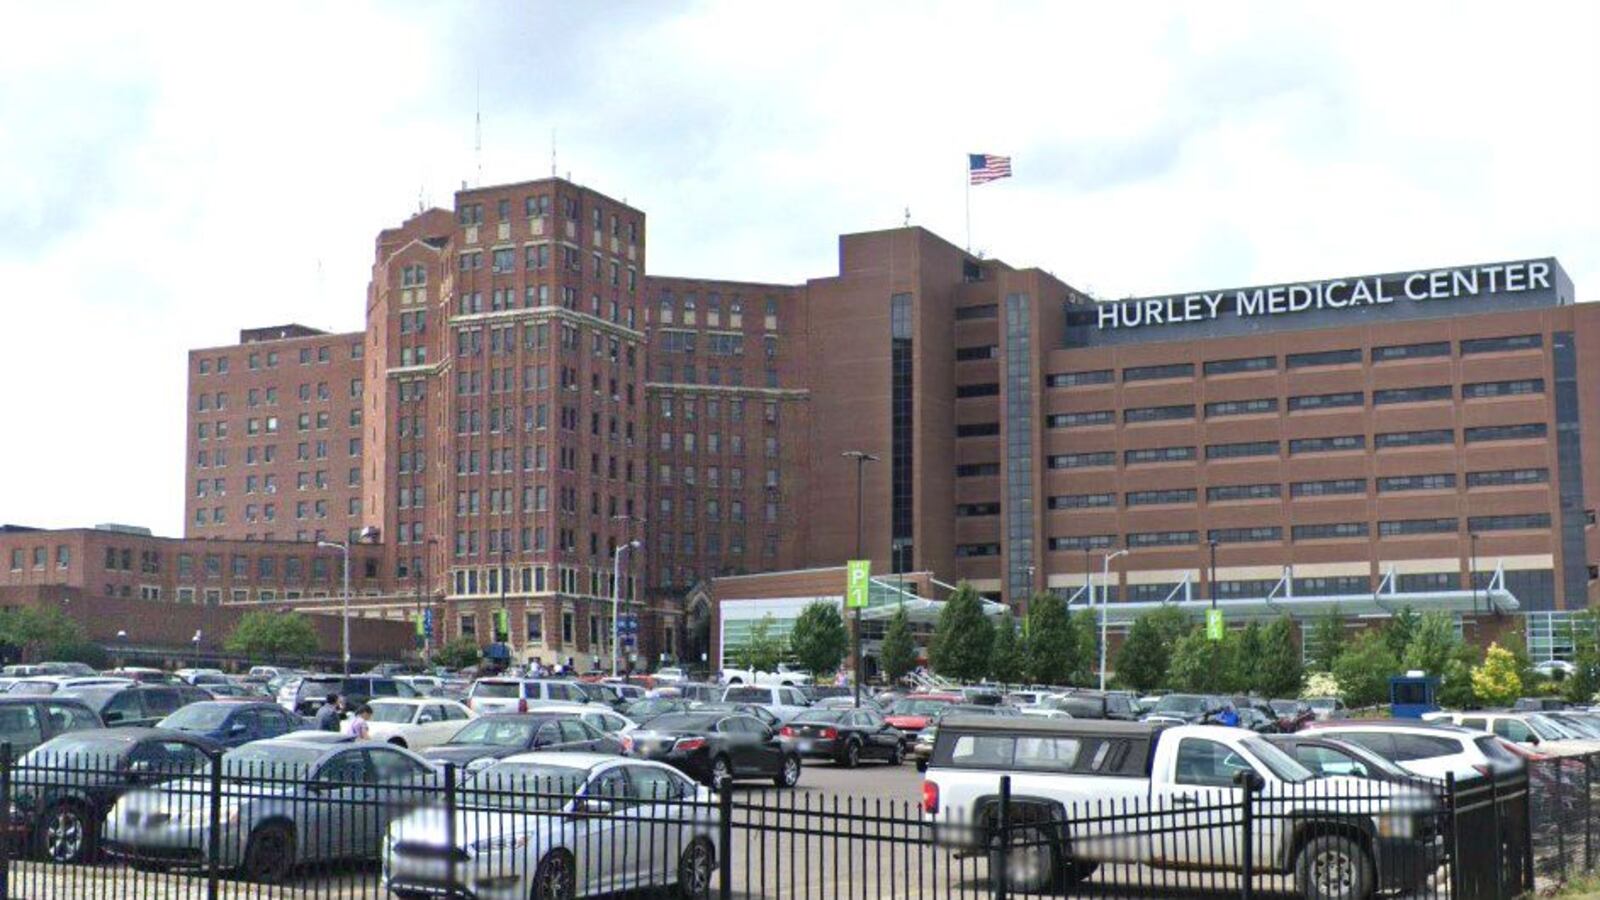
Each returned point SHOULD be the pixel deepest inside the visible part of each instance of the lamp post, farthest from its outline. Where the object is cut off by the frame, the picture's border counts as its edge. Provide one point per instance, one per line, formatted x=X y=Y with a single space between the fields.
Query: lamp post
x=1211 y=574
x=1472 y=570
x=196 y=641
x=1105 y=595
x=122 y=638
x=616 y=594
x=861 y=457
x=344 y=611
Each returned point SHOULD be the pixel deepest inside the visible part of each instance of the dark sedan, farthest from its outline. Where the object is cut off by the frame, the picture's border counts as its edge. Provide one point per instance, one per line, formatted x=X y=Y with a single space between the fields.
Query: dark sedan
x=642 y=711
x=63 y=788
x=716 y=747
x=498 y=736
x=1326 y=756
x=232 y=723
x=749 y=709
x=846 y=736
x=27 y=722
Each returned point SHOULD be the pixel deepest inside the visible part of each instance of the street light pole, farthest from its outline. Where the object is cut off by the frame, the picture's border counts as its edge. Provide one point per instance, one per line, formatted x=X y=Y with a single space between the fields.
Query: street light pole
x=862 y=458
x=344 y=613
x=1472 y=570
x=616 y=594
x=1211 y=574
x=1105 y=595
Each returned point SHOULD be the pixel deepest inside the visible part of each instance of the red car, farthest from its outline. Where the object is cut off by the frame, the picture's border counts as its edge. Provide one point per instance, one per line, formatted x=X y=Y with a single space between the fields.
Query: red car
x=911 y=714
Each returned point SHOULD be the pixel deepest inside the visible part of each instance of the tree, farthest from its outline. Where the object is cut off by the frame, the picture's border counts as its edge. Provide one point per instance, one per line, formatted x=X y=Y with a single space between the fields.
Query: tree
x=1278 y=670
x=460 y=653
x=1055 y=651
x=1455 y=686
x=1433 y=643
x=819 y=639
x=42 y=634
x=963 y=638
x=1144 y=655
x=898 y=654
x=1203 y=666
x=1497 y=682
x=1006 y=659
x=1584 y=682
x=761 y=651
x=1364 y=668
x=1086 y=630
x=1247 y=659
x=1402 y=628
x=1327 y=640
x=272 y=637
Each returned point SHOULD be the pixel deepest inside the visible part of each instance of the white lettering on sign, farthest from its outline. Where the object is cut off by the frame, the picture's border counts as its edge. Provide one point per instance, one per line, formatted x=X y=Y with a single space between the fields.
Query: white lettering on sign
x=1339 y=293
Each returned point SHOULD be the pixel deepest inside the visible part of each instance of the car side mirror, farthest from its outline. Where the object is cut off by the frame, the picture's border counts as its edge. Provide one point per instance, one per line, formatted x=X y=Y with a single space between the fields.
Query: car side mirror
x=426 y=719
x=1249 y=778
x=922 y=765
x=595 y=806
x=237 y=728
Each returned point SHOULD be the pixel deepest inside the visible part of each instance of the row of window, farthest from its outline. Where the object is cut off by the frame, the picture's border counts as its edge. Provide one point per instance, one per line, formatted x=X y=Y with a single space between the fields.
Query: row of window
x=1313 y=532
x=270 y=359
x=684 y=311
x=1348 y=356
x=1272 y=491
x=1300 y=446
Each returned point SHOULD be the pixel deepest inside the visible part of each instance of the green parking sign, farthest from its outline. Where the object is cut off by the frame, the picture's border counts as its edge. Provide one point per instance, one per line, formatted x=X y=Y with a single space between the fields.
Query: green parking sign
x=858 y=577
x=1214 y=626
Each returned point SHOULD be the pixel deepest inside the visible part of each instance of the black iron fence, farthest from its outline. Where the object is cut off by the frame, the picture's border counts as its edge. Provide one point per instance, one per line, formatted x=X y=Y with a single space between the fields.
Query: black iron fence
x=170 y=822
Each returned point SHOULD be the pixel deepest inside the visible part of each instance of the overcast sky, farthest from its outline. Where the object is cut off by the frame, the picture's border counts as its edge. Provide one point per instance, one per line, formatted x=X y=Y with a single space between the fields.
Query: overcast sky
x=169 y=174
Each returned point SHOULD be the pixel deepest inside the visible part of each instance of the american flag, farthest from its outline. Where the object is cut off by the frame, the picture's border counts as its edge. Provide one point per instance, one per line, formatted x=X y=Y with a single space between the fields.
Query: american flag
x=985 y=167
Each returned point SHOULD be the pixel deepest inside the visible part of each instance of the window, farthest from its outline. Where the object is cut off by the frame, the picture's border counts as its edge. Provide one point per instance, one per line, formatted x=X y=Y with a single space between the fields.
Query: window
x=1502 y=344
x=1481 y=389
x=1414 y=438
x=1508 y=477
x=978 y=429
x=1256 y=535
x=1325 y=401
x=1158 y=413
x=1079 y=379
x=1400 y=527
x=1158 y=498
x=1161 y=538
x=1082 y=501
x=1410 y=351
x=1322 y=358
x=1243 y=448
x=1427 y=394
x=982 y=351
x=1504 y=432
x=1208 y=764
x=990 y=389
x=1082 y=460
x=1245 y=364
x=1328 y=488
x=1327 y=444
x=1398 y=483
x=1083 y=542
x=1081 y=419
x=1226 y=492
x=971 y=550
x=1157 y=455
x=1156 y=373
x=1328 y=531
x=1241 y=407
x=971 y=510
x=1524 y=522
x=968 y=313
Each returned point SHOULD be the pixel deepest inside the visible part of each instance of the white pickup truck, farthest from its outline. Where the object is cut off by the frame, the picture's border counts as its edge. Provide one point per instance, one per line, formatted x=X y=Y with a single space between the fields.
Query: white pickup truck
x=1086 y=793
x=784 y=677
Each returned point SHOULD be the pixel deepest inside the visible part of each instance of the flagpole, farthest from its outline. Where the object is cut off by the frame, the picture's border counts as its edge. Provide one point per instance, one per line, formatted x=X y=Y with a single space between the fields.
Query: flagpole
x=969 y=204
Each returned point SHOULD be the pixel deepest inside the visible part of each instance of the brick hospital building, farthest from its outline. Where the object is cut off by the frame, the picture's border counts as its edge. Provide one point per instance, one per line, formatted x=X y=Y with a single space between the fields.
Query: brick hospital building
x=527 y=397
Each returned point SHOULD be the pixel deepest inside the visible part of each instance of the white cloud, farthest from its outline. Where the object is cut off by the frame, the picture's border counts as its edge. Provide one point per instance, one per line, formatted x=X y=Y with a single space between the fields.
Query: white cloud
x=168 y=178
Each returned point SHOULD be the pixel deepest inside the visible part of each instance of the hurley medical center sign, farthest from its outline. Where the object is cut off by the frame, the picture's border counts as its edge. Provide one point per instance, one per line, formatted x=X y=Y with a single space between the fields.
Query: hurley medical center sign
x=1339 y=293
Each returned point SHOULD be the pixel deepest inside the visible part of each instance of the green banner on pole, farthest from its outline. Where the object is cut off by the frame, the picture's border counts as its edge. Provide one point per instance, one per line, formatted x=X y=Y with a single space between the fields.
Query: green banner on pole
x=858 y=578
x=1214 y=626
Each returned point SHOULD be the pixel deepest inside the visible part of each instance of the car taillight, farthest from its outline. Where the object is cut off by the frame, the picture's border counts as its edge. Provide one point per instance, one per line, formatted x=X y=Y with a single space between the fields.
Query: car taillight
x=522 y=705
x=627 y=744
x=829 y=734
x=1481 y=769
x=786 y=731
x=689 y=744
x=930 y=797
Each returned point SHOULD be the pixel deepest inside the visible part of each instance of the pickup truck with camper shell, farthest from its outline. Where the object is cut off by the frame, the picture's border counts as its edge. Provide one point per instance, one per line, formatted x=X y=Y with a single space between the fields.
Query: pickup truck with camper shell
x=1087 y=793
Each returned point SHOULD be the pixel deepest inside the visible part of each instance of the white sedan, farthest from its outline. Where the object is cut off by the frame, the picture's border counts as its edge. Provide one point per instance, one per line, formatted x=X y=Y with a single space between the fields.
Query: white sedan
x=601 y=718
x=417 y=722
x=559 y=825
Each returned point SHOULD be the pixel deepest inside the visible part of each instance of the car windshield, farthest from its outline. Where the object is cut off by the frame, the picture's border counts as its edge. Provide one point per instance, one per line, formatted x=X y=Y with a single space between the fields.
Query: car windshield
x=1585 y=727
x=923 y=707
x=393 y=713
x=269 y=760
x=199 y=717
x=1182 y=704
x=1284 y=707
x=1320 y=703
x=522 y=787
x=493 y=732
x=497 y=689
x=829 y=716
x=1281 y=764
x=1550 y=730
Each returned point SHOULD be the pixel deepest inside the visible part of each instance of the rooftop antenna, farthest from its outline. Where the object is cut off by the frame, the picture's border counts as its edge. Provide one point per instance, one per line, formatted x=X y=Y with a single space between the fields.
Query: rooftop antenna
x=552 y=153
x=477 y=124
x=908 y=217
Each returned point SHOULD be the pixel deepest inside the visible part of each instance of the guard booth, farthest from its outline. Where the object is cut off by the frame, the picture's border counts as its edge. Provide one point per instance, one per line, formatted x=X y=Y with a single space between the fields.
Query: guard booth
x=1412 y=694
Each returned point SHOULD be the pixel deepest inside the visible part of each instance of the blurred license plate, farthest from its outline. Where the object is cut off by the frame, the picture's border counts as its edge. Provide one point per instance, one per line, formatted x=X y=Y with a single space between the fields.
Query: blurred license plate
x=804 y=746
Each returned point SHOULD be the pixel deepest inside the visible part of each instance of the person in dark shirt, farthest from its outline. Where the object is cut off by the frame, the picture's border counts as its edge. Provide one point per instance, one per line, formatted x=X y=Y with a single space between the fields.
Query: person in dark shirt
x=328 y=714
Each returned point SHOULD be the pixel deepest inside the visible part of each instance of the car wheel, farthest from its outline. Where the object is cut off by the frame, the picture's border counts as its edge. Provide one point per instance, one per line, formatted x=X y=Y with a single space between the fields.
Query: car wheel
x=789 y=773
x=399 y=742
x=1333 y=867
x=1037 y=863
x=897 y=754
x=695 y=866
x=556 y=878
x=269 y=857
x=66 y=835
x=852 y=755
x=721 y=772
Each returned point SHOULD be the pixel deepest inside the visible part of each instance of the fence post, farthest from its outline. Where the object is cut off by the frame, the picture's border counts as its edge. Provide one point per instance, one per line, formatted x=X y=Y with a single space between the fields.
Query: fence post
x=725 y=835
x=450 y=804
x=214 y=838
x=1452 y=821
x=1246 y=780
x=1561 y=828
x=1527 y=831
x=1000 y=877
x=5 y=833
x=1588 y=812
